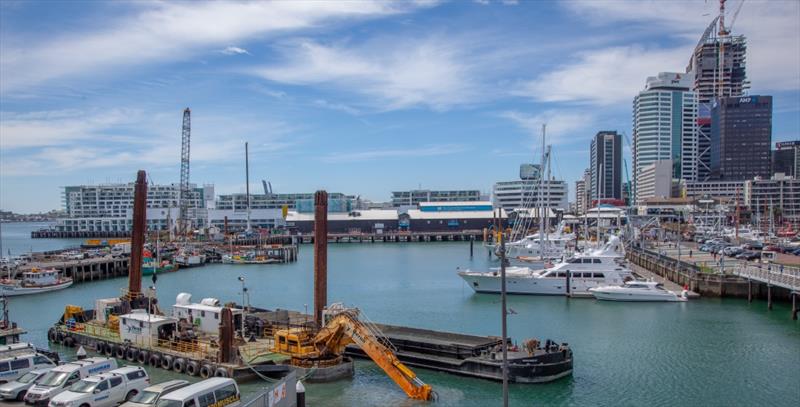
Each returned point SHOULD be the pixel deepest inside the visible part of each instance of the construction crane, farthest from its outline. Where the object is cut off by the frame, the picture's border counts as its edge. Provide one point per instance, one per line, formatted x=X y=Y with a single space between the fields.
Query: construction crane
x=344 y=327
x=183 y=219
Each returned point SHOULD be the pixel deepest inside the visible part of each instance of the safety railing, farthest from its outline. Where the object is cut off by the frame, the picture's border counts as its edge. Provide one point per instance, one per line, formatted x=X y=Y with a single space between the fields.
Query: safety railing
x=92 y=330
x=198 y=348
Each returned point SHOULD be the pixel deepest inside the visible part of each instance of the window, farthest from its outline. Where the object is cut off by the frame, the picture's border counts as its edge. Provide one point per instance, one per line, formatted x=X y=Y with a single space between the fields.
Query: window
x=599 y=275
x=216 y=315
x=562 y=274
x=103 y=386
x=206 y=400
x=225 y=392
x=202 y=314
x=115 y=381
x=189 y=403
x=136 y=375
x=20 y=364
x=597 y=261
x=4 y=367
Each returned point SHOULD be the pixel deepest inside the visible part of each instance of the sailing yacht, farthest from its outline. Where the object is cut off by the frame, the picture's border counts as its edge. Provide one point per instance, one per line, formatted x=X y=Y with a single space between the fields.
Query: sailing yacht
x=573 y=277
x=531 y=249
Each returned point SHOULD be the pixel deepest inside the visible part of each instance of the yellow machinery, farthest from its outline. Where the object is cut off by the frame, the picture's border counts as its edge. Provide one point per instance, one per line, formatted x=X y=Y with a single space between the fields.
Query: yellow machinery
x=73 y=311
x=343 y=328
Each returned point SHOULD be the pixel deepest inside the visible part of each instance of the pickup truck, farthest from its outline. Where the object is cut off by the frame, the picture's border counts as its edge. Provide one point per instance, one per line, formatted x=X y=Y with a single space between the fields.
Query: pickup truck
x=104 y=390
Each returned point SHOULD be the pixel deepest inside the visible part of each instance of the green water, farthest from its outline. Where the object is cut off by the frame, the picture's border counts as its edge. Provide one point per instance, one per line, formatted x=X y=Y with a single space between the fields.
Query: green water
x=708 y=352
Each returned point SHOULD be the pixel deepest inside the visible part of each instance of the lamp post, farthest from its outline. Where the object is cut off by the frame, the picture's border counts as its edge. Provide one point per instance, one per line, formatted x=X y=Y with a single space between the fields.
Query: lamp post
x=244 y=291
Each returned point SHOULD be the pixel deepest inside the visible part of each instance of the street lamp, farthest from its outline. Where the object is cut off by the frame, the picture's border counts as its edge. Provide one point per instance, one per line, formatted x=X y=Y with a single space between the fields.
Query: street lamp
x=244 y=291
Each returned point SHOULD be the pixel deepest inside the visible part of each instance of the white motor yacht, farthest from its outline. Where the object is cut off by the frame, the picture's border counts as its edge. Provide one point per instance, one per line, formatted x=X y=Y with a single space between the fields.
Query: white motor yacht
x=573 y=277
x=643 y=291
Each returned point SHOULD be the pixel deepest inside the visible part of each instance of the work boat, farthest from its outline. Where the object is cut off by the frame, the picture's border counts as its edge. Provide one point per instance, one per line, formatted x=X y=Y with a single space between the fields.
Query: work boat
x=637 y=291
x=33 y=282
x=573 y=277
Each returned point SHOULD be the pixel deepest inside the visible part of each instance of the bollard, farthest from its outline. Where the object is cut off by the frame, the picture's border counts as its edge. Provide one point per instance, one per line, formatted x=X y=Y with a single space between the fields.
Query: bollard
x=301 y=394
x=471 y=243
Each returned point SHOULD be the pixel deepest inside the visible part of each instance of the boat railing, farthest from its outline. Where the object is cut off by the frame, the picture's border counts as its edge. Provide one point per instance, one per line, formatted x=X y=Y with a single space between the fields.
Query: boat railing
x=92 y=330
x=200 y=349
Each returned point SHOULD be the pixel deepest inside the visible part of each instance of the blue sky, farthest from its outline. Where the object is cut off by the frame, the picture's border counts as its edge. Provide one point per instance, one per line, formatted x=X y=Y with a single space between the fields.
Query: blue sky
x=355 y=97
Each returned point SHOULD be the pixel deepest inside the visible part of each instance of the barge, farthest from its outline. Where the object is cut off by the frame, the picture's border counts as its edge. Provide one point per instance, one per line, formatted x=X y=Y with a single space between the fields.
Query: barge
x=476 y=356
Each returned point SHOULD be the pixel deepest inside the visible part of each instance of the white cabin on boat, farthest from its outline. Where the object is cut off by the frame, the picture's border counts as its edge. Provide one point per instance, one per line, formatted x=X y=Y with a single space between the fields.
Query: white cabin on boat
x=37 y=277
x=142 y=328
x=205 y=316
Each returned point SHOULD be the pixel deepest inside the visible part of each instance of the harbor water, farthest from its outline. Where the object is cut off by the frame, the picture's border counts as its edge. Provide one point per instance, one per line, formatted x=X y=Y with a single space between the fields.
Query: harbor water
x=709 y=352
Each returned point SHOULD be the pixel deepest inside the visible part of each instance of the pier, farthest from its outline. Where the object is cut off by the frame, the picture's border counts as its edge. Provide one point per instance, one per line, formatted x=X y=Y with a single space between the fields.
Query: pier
x=85 y=270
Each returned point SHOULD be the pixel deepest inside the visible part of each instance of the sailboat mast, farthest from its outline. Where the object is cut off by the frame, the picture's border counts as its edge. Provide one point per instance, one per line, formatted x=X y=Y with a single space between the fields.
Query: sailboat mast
x=247 y=182
x=541 y=195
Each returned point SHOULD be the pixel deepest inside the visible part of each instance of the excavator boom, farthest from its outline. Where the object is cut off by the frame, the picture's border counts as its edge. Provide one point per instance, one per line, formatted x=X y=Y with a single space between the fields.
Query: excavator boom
x=345 y=328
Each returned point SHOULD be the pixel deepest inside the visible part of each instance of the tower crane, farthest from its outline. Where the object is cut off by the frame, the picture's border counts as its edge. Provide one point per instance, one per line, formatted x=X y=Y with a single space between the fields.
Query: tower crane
x=186 y=134
x=344 y=327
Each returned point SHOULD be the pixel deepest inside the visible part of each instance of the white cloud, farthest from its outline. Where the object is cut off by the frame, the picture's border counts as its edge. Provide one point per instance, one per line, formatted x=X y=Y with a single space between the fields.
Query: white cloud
x=605 y=76
x=393 y=74
x=231 y=50
x=562 y=125
x=370 y=155
x=336 y=106
x=165 y=31
x=773 y=36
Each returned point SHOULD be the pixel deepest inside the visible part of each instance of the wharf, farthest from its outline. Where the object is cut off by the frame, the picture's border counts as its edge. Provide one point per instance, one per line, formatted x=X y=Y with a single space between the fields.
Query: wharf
x=398 y=237
x=669 y=285
x=97 y=268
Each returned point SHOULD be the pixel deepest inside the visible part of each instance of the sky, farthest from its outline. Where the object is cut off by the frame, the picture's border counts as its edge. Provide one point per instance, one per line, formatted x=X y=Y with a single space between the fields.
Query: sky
x=360 y=97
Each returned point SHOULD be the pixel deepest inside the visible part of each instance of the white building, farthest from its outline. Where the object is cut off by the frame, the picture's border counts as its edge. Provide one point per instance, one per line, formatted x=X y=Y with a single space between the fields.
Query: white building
x=665 y=126
x=655 y=181
x=728 y=190
x=580 y=197
x=417 y=196
x=522 y=193
x=779 y=195
x=109 y=207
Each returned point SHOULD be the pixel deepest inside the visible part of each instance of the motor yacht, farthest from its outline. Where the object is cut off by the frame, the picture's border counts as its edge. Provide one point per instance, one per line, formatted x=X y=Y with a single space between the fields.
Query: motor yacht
x=644 y=291
x=573 y=277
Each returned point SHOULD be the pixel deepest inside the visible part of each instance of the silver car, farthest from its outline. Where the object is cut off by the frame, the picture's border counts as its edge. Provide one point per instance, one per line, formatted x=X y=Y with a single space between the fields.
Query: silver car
x=16 y=389
x=149 y=396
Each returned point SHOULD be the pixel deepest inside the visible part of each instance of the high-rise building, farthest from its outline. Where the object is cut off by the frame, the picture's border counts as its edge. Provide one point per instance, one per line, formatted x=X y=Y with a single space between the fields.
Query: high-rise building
x=786 y=158
x=606 y=165
x=665 y=126
x=709 y=83
x=580 y=197
x=525 y=192
x=741 y=136
x=655 y=181
x=778 y=195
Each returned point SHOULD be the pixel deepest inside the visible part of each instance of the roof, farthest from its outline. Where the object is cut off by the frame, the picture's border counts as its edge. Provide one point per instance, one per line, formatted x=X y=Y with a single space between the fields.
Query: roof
x=668 y=201
x=418 y=214
x=202 y=307
x=366 y=214
x=145 y=317
x=456 y=203
x=192 y=389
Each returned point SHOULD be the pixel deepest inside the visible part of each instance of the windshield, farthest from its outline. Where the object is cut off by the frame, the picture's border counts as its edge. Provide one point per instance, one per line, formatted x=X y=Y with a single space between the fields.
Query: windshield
x=145 y=397
x=53 y=379
x=168 y=403
x=83 y=386
x=28 y=377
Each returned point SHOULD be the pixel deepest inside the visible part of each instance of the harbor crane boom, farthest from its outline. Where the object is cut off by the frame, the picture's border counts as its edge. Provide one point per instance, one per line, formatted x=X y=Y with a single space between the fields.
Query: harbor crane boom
x=343 y=328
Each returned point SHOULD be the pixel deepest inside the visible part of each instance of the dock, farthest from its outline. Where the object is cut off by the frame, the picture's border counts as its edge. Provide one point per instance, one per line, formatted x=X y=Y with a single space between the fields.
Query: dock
x=84 y=270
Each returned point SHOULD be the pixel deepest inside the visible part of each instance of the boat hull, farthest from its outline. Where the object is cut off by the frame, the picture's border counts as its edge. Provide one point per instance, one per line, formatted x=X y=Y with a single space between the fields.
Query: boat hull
x=636 y=297
x=10 y=290
x=529 y=285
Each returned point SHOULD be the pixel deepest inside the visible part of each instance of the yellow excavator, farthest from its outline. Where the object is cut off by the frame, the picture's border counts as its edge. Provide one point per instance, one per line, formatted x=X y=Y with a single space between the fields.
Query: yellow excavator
x=342 y=328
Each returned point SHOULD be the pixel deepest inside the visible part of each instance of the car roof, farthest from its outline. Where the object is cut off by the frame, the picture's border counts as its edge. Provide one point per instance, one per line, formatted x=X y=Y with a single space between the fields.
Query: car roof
x=168 y=385
x=126 y=369
x=192 y=389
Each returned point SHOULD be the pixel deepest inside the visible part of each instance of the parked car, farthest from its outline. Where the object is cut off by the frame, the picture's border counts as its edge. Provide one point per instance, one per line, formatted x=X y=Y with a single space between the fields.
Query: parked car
x=151 y=395
x=61 y=377
x=16 y=389
x=749 y=255
x=773 y=248
x=216 y=391
x=104 y=390
x=732 y=250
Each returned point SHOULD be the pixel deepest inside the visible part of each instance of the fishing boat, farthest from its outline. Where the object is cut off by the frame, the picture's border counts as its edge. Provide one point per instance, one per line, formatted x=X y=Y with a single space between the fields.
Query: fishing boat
x=34 y=281
x=642 y=291
x=189 y=258
x=250 y=257
x=573 y=277
x=151 y=265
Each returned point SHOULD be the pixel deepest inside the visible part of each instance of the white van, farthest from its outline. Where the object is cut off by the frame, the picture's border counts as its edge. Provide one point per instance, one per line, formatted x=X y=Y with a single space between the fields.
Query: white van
x=14 y=367
x=16 y=390
x=104 y=390
x=62 y=377
x=213 y=392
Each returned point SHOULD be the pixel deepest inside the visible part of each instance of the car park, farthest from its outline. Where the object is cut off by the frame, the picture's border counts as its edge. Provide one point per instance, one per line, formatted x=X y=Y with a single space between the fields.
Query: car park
x=217 y=391
x=16 y=389
x=61 y=377
x=104 y=390
x=150 y=395
x=14 y=365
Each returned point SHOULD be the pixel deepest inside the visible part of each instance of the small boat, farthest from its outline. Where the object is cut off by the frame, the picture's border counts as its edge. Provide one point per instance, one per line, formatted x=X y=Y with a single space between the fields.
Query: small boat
x=151 y=265
x=189 y=259
x=33 y=282
x=635 y=290
x=248 y=258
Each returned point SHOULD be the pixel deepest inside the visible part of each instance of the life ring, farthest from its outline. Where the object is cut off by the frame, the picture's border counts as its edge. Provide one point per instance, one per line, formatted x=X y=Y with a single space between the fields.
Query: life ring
x=52 y=335
x=206 y=371
x=141 y=357
x=69 y=341
x=119 y=352
x=179 y=365
x=192 y=368
x=166 y=362
x=131 y=354
x=221 y=372
x=154 y=359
